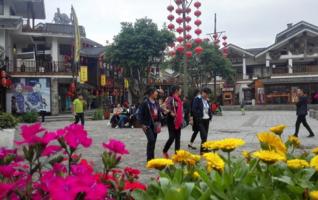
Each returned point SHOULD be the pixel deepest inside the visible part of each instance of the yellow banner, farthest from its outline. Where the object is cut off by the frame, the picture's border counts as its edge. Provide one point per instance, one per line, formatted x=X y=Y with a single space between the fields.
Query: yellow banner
x=77 y=37
x=103 y=80
x=83 y=74
x=126 y=84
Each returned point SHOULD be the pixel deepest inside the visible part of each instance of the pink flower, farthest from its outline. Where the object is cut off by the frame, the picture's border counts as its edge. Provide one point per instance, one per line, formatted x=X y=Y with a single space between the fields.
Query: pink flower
x=4 y=152
x=29 y=134
x=5 y=188
x=7 y=170
x=83 y=168
x=50 y=150
x=116 y=146
x=75 y=135
x=131 y=172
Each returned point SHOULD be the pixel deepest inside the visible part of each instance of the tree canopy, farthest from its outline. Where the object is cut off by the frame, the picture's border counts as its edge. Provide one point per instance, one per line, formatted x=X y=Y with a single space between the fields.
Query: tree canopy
x=137 y=47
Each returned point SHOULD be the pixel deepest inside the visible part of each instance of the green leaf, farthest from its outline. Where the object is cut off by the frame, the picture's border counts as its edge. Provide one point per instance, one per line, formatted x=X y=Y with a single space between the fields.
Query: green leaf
x=284 y=179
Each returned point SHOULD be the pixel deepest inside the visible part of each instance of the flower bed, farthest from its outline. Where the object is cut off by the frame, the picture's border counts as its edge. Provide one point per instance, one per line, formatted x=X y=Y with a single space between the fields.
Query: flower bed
x=50 y=168
x=272 y=172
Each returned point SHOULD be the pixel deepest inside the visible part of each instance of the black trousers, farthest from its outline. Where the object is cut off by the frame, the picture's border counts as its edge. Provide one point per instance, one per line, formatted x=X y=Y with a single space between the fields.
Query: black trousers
x=78 y=117
x=204 y=130
x=174 y=136
x=301 y=119
x=195 y=129
x=151 y=143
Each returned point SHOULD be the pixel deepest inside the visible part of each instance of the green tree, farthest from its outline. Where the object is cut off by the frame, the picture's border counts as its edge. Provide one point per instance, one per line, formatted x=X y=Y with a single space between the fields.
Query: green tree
x=204 y=67
x=137 y=47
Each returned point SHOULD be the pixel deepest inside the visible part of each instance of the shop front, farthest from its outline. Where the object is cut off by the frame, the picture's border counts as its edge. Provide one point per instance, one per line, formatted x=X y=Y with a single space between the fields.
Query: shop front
x=284 y=90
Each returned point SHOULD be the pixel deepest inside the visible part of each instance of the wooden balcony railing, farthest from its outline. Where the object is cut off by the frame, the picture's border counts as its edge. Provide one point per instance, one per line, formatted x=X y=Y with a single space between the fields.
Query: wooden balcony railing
x=40 y=67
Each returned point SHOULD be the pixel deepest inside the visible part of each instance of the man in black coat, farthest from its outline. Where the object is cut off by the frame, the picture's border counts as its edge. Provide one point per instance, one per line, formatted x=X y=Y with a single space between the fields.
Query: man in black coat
x=202 y=114
x=302 y=111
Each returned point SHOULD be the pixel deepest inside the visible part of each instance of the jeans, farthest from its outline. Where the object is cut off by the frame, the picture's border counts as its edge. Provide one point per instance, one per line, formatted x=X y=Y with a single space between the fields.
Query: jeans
x=78 y=117
x=204 y=129
x=195 y=129
x=302 y=119
x=122 y=120
x=151 y=144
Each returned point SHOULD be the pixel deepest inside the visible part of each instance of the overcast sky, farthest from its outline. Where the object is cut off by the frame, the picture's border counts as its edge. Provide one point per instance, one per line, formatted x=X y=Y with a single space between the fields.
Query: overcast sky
x=248 y=23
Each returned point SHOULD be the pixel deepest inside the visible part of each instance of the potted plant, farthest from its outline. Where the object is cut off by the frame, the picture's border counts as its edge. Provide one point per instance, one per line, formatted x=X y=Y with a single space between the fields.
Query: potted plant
x=7 y=130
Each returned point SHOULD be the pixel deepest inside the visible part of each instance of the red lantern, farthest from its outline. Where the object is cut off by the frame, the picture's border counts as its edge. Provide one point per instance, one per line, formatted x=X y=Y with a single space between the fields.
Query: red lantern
x=3 y=74
x=72 y=87
x=198 y=50
x=198 y=40
x=179 y=2
x=170 y=17
x=179 y=11
x=180 y=39
x=215 y=36
x=224 y=37
x=189 y=54
x=9 y=83
x=188 y=10
x=224 y=43
x=188 y=19
x=171 y=26
x=188 y=37
x=198 y=22
x=188 y=45
x=225 y=51
x=188 y=28
x=180 y=30
x=179 y=20
x=180 y=49
x=197 y=4
x=170 y=8
x=4 y=82
x=197 y=13
x=198 y=31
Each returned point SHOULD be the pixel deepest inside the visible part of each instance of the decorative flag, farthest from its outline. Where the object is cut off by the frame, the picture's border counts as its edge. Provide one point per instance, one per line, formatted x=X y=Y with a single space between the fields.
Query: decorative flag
x=83 y=74
x=77 y=37
x=103 y=80
x=126 y=83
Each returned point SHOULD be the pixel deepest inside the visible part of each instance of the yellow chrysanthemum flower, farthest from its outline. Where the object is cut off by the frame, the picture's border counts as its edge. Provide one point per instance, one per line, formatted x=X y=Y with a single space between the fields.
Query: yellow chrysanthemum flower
x=314 y=163
x=315 y=151
x=159 y=163
x=314 y=195
x=211 y=145
x=214 y=161
x=273 y=141
x=196 y=175
x=279 y=129
x=185 y=157
x=246 y=155
x=294 y=140
x=230 y=144
x=269 y=157
x=297 y=164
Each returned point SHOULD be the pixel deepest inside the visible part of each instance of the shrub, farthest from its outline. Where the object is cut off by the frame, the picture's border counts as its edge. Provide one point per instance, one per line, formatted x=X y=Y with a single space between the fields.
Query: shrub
x=7 y=121
x=98 y=115
x=30 y=117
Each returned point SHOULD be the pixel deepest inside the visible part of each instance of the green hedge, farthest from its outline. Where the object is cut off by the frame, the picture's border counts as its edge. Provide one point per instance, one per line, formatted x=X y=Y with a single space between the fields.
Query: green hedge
x=7 y=121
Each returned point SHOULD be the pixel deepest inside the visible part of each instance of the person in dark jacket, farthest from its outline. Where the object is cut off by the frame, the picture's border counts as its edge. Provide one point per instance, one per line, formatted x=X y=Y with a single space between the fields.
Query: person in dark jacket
x=302 y=111
x=203 y=114
x=174 y=106
x=186 y=110
x=195 y=129
x=150 y=114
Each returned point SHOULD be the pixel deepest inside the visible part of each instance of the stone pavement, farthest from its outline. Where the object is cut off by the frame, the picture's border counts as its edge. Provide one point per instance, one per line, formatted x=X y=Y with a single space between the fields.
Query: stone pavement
x=231 y=124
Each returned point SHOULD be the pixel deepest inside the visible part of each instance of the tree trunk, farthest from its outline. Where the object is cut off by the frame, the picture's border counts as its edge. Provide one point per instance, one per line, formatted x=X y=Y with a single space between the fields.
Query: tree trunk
x=214 y=77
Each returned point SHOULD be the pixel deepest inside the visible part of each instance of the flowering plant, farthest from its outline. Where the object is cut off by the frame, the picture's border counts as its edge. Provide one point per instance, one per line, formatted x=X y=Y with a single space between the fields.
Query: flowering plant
x=278 y=170
x=50 y=168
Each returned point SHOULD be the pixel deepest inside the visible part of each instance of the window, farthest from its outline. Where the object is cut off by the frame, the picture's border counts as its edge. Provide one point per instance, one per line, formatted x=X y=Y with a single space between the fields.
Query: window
x=1 y=7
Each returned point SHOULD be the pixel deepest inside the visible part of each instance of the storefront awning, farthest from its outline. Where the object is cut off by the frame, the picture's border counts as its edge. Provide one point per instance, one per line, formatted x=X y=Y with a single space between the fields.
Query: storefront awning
x=277 y=81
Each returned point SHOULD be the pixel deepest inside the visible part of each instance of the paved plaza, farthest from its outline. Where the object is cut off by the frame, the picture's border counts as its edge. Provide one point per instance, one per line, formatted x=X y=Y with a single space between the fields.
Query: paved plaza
x=231 y=124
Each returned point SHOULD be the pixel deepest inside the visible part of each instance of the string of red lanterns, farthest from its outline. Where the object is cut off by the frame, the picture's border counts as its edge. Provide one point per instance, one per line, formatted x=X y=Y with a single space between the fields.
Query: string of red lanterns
x=183 y=20
x=6 y=82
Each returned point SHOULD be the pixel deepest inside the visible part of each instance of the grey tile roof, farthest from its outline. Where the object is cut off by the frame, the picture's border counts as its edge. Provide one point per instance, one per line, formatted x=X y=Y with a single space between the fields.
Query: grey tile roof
x=255 y=51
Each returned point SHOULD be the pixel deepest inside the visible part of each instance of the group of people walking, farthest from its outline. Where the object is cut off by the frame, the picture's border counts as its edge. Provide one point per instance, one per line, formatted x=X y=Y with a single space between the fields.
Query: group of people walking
x=151 y=113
